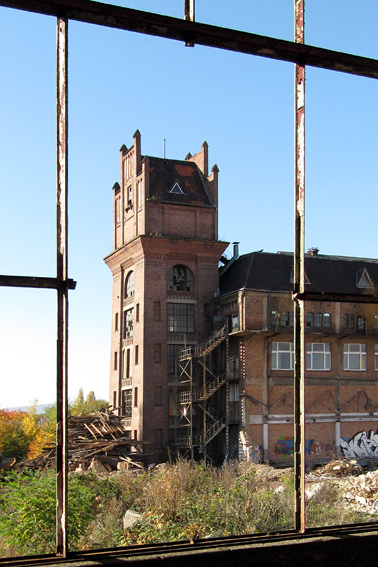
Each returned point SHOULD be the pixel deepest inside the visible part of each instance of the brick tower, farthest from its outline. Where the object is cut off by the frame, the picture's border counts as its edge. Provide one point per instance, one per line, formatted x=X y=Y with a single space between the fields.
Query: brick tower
x=165 y=274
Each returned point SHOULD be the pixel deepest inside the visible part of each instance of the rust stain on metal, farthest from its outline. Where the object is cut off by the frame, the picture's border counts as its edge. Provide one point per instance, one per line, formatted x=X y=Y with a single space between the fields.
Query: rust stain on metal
x=299 y=279
x=62 y=294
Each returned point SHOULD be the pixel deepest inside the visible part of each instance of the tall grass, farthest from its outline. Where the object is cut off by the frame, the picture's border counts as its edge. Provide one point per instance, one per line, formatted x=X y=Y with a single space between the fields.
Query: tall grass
x=180 y=501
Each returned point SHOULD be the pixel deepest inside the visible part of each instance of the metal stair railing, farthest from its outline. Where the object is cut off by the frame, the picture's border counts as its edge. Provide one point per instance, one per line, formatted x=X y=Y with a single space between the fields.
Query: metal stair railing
x=215 y=339
x=214 y=429
x=211 y=388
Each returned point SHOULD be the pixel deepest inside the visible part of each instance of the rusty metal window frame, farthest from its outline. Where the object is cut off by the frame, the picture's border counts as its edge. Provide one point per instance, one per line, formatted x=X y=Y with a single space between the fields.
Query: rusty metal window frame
x=191 y=33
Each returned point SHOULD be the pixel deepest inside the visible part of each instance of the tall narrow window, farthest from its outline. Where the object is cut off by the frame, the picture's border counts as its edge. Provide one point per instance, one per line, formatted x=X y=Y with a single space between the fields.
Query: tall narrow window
x=361 y=324
x=137 y=313
x=376 y=357
x=115 y=360
x=129 y=197
x=351 y=322
x=128 y=363
x=309 y=319
x=327 y=320
x=136 y=396
x=346 y=321
x=285 y=319
x=318 y=320
x=136 y=354
x=129 y=284
x=173 y=353
x=376 y=322
x=126 y=403
x=128 y=323
x=114 y=399
x=116 y=322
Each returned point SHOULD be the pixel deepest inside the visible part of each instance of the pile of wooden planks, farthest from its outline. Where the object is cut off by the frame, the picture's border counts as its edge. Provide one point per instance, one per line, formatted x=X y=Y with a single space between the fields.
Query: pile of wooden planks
x=97 y=440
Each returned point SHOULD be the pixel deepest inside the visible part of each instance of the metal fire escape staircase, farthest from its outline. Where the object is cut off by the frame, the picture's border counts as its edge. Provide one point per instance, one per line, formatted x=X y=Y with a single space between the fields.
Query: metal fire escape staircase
x=200 y=396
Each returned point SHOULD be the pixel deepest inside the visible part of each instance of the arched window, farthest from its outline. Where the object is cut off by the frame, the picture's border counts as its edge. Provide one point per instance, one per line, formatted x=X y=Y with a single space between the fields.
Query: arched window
x=309 y=319
x=180 y=278
x=129 y=284
x=327 y=320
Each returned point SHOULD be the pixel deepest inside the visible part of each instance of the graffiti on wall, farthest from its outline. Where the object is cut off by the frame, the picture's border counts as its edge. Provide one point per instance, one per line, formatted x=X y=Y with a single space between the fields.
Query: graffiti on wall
x=361 y=445
x=285 y=447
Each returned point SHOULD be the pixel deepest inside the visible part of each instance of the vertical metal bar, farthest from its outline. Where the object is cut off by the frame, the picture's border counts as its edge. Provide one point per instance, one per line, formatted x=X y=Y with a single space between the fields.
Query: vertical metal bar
x=189 y=10
x=204 y=410
x=299 y=316
x=189 y=15
x=191 y=440
x=62 y=294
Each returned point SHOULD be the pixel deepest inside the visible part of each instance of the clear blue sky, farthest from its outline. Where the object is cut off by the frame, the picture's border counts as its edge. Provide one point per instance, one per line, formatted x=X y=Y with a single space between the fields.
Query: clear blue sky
x=241 y=105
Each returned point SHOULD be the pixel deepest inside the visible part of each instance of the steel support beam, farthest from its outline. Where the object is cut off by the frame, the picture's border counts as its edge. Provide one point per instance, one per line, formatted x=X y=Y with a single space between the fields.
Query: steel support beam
x=62 y=294
x=299 y=279
x=337 y=297
x=37 y=282
x=189 y=31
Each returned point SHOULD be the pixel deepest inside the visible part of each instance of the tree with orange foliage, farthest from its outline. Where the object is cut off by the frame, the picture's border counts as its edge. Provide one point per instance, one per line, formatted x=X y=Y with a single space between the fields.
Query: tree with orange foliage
x=17 y=430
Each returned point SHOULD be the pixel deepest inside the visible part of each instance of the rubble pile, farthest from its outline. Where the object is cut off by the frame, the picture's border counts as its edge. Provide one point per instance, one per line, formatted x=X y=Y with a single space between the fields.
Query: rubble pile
x=361 y=492
x=96 y=441
x=337 y=469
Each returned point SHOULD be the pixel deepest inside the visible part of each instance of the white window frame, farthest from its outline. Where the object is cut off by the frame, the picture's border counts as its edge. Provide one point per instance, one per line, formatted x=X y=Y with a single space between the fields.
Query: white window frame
x=317 y=352
x=279 y=349
x=354 y=352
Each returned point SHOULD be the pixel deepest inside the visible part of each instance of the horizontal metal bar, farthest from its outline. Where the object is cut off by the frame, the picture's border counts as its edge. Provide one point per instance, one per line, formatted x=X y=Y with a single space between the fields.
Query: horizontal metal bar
x=126 y=554
x=31 y=281
x=336 y=297
x=202 y=34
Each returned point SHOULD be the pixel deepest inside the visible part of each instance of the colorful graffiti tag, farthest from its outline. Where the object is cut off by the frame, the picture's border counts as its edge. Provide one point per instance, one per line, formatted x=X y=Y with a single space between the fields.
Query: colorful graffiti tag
x=361 y=445
x=285 y=447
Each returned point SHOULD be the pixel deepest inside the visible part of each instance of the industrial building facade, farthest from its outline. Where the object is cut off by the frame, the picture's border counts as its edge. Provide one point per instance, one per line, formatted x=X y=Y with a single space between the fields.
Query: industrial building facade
x=202 y=357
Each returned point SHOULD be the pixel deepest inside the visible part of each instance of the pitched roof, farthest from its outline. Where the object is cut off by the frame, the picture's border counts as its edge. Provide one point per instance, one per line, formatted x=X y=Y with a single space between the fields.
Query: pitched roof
x=274 y=272
x=165 y=174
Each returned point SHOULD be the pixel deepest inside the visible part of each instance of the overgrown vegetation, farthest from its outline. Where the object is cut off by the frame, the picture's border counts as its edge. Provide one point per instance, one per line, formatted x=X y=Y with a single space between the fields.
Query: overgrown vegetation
x=180 y=501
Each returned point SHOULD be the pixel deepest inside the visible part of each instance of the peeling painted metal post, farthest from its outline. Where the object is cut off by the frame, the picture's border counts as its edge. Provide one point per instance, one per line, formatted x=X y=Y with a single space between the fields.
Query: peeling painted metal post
x=190 y=10
x=62 y=295
x=189 y=13
x=299 y=304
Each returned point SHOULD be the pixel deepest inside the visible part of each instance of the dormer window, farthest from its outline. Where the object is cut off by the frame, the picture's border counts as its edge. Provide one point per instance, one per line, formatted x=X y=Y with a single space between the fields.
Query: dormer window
x=363 y=279
x=177 y=189
x=306 y=279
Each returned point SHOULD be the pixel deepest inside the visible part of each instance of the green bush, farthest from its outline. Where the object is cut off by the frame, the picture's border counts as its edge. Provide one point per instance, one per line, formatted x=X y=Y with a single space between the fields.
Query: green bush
x=27 y=511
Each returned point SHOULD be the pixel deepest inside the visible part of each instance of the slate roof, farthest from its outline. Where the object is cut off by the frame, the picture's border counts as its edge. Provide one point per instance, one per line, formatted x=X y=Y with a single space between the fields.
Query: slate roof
x=274 y=272
x=165 y=173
